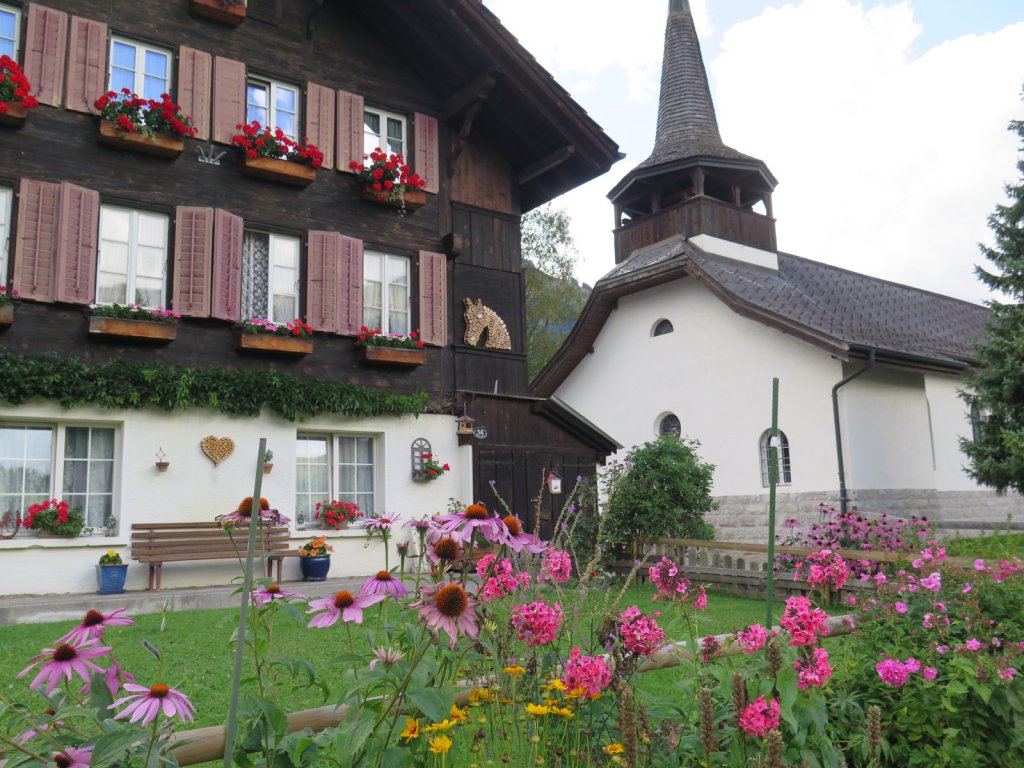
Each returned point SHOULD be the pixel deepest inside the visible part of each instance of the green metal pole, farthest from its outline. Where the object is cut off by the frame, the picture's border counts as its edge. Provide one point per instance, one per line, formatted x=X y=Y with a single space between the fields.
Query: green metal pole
x=254 y=524
x=773 y=481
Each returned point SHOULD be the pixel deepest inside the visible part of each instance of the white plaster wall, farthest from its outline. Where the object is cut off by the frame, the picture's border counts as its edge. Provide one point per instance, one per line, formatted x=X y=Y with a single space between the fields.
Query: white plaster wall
x=715 y=373
x=950 y=421
x=194 y=489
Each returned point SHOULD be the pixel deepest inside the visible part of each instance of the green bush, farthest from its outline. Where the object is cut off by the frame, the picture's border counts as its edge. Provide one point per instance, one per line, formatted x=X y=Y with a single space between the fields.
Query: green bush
x=662 y=489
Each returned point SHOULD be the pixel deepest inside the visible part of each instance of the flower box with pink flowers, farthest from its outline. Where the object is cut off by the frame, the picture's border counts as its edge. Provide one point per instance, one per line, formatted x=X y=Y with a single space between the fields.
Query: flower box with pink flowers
x=134 y=322
x=291 y=338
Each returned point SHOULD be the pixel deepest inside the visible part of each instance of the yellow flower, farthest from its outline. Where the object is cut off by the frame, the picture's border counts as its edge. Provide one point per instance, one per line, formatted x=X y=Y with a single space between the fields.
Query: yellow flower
x=440 y=745
x=579 y=692
x=479 y=694
x=555 y=685
x=514 y=670
x=444 y=725
x=458 y=715
x=614 y=749
x=562 y=712
x=538 y=710
x=412 y=729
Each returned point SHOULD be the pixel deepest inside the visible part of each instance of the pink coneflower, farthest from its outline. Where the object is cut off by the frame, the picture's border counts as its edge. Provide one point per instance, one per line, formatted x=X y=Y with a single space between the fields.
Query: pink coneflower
x=145 y=704
x=63 y=661
x=73 y=757
x=114 y=676
x=270 y=593
x=386 y=655
x=384 y=583
x=462 y=525
x=517 y=539
x=95 y=624
x=379 y=525
x=448 y=607
x=343 y=605
x=442 y=550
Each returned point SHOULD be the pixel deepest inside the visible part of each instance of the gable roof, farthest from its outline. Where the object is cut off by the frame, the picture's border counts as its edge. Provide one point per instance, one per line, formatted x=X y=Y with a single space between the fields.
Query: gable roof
x=843 y=312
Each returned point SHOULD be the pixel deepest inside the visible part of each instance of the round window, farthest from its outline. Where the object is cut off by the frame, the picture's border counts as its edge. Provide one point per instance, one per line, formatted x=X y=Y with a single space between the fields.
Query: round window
x=669 y=425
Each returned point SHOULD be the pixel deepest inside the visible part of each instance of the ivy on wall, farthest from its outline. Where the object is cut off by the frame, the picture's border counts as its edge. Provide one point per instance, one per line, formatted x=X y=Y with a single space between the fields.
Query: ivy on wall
x=124 y=385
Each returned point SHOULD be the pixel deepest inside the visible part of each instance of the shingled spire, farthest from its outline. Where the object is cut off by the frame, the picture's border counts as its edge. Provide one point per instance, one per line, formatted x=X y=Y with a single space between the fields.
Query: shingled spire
x=689 y=160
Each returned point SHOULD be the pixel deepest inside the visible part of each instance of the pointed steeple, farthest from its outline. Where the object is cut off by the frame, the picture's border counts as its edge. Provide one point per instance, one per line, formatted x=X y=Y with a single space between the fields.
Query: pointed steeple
x=689 y=160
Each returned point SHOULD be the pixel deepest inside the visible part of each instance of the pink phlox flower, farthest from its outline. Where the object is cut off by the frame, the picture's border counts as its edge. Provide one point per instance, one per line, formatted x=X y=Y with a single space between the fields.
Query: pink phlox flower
x=912 y=665
x=640 y=635
x=341 y=605
x=270 y=593
x=973 y=644
x=702 y=600
x=927 y=621
x=892 y=672
x=753 y=638
x=65 y=660
x=504 y=581
x=813 y=673
x=828 y=569
x=880 y=578
x=900 y=607
x=591 y=673
x=95 y=623
x=1008 y=673
x=73 y=757
x=556 y=566
x=942 y=649
x=932 y=582
x=760 y=717
x=144 y=704
x=929 y=673
x=979 y=565
x=967 y=588
x=668 y=578
x=537 y=623
x=803 y=621
x=384 y=583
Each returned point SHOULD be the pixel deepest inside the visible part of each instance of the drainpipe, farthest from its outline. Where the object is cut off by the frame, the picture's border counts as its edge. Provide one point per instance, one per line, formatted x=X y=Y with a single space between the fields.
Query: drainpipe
x=839 y=434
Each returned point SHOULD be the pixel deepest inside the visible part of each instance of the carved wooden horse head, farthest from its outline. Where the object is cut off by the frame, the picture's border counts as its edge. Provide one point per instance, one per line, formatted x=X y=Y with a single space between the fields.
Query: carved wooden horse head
x=479 y=319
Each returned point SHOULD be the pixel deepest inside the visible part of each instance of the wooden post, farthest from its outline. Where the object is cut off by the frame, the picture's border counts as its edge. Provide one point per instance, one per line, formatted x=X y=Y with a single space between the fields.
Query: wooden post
x=773 y=481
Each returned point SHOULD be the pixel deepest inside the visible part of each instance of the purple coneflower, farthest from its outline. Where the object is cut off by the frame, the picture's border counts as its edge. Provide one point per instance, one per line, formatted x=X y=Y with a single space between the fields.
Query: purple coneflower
x=343 y=605
x=95 y=624
x=73 y=757
x=443 y=549
x=386 y=655
x=114 y=676
x=517 y=539
x=379 y=525
x=63 y=661
x=419 y=525
x=146 y=703
x=384 y=583
x=475 y=517
x=270 y=593
x=448 y=607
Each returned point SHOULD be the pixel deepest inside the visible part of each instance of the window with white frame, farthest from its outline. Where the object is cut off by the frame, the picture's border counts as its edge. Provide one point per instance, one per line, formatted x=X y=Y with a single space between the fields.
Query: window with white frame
x=274 y=105
x=141 y=68
x=785 y=470
x=270 y=277
x=383 y=130
x=10 y=27
x=5 y=231
x=132 y=263
x=386 y=292
x=341 y=467
x=73 y=463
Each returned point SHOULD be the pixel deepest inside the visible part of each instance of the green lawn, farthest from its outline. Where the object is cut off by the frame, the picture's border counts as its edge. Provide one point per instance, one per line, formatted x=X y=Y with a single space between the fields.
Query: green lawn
x=995 y=546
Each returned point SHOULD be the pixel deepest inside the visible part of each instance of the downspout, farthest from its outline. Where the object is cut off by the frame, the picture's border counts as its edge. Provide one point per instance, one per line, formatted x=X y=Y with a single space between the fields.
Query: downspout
x=839 y=434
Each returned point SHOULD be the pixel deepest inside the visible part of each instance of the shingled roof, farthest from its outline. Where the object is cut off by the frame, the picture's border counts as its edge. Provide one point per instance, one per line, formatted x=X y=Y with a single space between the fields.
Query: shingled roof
x=842 y=312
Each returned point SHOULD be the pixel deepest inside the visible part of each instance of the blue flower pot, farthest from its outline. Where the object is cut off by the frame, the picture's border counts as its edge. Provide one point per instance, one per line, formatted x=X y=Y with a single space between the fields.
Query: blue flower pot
x=315 y=568
x=111 y=578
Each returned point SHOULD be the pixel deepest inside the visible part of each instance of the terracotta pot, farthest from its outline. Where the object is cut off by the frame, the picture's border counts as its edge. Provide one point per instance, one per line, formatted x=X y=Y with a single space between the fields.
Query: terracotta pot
x=160 y=145
x=231 y=15
x=140 y=330
x=271 y=342
x=414 y=198
x=15 y=114
x=6 y=315
x=392 y=355
x=268 y=468
x=283 y=171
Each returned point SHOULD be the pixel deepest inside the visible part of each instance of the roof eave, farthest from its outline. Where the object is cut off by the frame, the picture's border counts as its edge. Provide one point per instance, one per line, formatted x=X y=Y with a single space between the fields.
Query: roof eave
x=709 y=161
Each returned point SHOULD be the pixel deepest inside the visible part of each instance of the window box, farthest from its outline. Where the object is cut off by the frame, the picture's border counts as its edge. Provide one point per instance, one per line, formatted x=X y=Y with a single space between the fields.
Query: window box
x=15 y=114
x=142 y=330
x=378 y=355
x=414 y=198
x=281 y=345
x=6 y=316
x=283 y=171
x=161 y=145
x=232 y=15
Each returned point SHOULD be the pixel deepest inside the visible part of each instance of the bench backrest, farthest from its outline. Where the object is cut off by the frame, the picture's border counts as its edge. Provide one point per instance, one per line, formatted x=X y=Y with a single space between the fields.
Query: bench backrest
x=202 y=540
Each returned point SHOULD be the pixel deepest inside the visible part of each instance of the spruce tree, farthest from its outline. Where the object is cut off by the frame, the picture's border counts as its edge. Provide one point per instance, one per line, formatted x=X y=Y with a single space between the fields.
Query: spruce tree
x=995 y=390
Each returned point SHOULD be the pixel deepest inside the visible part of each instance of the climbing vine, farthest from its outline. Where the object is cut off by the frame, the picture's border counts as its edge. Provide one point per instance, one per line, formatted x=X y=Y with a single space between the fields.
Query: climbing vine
x=119 y=384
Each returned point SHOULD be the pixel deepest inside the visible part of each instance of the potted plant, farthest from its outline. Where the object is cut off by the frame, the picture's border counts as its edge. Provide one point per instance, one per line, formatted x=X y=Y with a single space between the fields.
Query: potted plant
x=229 y=12
x=390 y=348
x=431 y=468
x=15 y=99
x=133 y=321
x=111 y=573
x=54 y=518
x=337 y=514
x=151 y=127
x=293 y=338
x=7 y=297
x=268 y=461
x=315 y=559
x=110 y=524
x=389 y=180
x=273 y=156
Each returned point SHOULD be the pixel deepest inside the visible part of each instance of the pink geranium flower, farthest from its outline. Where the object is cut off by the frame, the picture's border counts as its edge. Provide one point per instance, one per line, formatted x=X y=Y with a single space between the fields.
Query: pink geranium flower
x=341 y=605
x=384 y=583
x=94 y=624
x=448 y=607
x=145 y=704
x=65 y=660
x=760 y=717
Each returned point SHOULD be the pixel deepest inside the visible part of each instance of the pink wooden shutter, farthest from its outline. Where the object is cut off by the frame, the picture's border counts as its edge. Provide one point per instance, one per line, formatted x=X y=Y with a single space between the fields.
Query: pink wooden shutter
x=425 y=139
x=350 y=129
x=195 y=77
x=433 y=298
x=323 y=281
x=46 y=41
x=35 y=250
x=193 y=251
x=227 y=266
x=87 y=64
x=351 y=297
x=320 y=120
x=228 y=98
x=76 y=247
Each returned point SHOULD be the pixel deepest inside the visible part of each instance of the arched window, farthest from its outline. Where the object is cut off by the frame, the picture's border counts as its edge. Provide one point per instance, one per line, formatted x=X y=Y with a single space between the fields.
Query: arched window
x=662 y=327
x=785 y=470
x=669 y=425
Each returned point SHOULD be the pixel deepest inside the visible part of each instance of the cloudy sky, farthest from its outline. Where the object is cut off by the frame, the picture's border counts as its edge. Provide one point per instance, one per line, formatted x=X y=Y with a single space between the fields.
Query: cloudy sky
x=885 y=122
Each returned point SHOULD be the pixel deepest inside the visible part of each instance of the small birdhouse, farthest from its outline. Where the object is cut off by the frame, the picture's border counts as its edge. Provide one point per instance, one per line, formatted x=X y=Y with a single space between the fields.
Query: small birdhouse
x=464 y=425
x=554 y=481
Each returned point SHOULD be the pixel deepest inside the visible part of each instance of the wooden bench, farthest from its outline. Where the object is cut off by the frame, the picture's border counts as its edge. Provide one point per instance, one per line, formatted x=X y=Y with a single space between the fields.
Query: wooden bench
x=157 y=543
